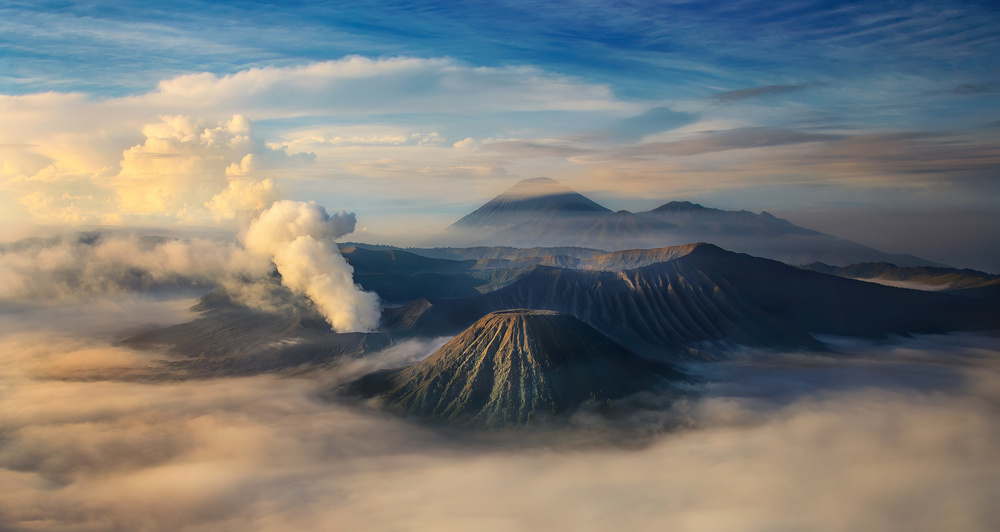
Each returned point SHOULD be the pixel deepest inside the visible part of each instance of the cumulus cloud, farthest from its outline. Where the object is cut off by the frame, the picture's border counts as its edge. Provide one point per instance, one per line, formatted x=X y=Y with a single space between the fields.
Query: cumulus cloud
x=243 y=197
x=298 y=238
x=185 y=169
x=467 y=143
x=185 y=164
x=895 y=438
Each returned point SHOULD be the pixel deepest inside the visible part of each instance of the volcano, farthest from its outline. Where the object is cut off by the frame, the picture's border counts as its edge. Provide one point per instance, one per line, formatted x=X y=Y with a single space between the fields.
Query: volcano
x=514 y=367
x=538 y=200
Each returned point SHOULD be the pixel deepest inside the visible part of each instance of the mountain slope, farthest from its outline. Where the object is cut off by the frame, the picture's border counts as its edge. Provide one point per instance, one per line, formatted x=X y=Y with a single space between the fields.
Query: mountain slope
x=695 y=218
x=709 y=296
x=230 y=340
x=515 y=367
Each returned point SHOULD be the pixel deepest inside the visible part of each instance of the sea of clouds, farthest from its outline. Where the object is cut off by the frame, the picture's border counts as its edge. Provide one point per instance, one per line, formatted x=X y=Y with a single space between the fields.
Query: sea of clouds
x=902 y=436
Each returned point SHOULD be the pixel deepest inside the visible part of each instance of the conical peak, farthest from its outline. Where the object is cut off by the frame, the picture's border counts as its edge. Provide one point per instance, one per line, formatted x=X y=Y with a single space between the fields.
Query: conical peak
x=538 y=200
x=538 y=180
x=537 y=187
x=511 y=367
x=536 y=334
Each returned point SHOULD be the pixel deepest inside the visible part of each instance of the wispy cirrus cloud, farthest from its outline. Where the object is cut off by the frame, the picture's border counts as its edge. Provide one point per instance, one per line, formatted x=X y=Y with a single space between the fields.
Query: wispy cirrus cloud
x=535 y=148
x=757 y=92
x=733 y=139
x=969 y=88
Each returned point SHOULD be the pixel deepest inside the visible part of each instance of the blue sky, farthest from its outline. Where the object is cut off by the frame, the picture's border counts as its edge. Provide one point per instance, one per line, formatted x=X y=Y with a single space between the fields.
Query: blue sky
x=875 y=121
x=642 y=49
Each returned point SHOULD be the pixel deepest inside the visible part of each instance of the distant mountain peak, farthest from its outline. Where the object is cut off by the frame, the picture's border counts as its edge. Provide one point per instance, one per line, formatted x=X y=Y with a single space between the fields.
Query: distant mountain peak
x=681 y=206
x=537 y=187
x=531 y=200
x=537 y=180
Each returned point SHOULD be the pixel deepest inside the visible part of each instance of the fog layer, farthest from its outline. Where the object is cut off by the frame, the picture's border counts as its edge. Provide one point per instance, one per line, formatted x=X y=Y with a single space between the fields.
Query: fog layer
x=902 y=437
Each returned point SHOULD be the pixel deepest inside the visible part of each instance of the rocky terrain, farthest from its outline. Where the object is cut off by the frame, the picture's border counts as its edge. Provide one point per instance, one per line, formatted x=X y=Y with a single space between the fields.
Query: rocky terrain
x=514 y=367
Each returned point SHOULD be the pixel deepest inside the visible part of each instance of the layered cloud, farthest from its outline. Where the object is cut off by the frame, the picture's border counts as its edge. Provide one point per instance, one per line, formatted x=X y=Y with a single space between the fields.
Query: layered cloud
x=67 y=268
x=349 y=87
x=732 y=139
x=360 y=86
x=894 y=438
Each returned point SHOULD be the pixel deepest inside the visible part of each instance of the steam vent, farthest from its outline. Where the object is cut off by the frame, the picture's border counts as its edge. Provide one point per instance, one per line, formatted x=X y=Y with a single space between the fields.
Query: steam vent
x=514 y=367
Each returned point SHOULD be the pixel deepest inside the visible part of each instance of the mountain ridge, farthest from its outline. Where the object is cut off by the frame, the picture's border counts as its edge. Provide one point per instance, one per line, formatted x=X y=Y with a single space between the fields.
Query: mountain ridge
x=559 y=216
x=709 y=296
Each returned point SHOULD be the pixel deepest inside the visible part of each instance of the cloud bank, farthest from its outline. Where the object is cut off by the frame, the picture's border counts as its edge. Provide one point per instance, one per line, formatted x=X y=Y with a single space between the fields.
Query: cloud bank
x=897 y=438
x=297 y=238
x=91 y=264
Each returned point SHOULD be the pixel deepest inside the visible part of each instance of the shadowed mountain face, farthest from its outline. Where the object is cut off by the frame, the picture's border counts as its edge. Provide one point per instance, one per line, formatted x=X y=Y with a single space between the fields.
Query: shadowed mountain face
x=515 y=367
x=698 y=219
x=231 y=340
x=541 y=212
x=706 y=297
x=398 y=276
x=401 y=276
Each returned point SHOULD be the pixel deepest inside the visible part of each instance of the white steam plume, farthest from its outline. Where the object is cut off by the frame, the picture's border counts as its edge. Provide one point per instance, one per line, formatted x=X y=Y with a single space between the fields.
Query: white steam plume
x=298 y=237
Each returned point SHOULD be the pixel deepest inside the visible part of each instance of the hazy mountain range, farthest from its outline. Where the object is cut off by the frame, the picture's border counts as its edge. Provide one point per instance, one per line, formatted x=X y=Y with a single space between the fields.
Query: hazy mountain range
x=543 y=212
x=701 y=299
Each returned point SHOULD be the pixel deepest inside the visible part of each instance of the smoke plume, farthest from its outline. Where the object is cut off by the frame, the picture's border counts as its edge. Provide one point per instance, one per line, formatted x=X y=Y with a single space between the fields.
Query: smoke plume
x=298 y=238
